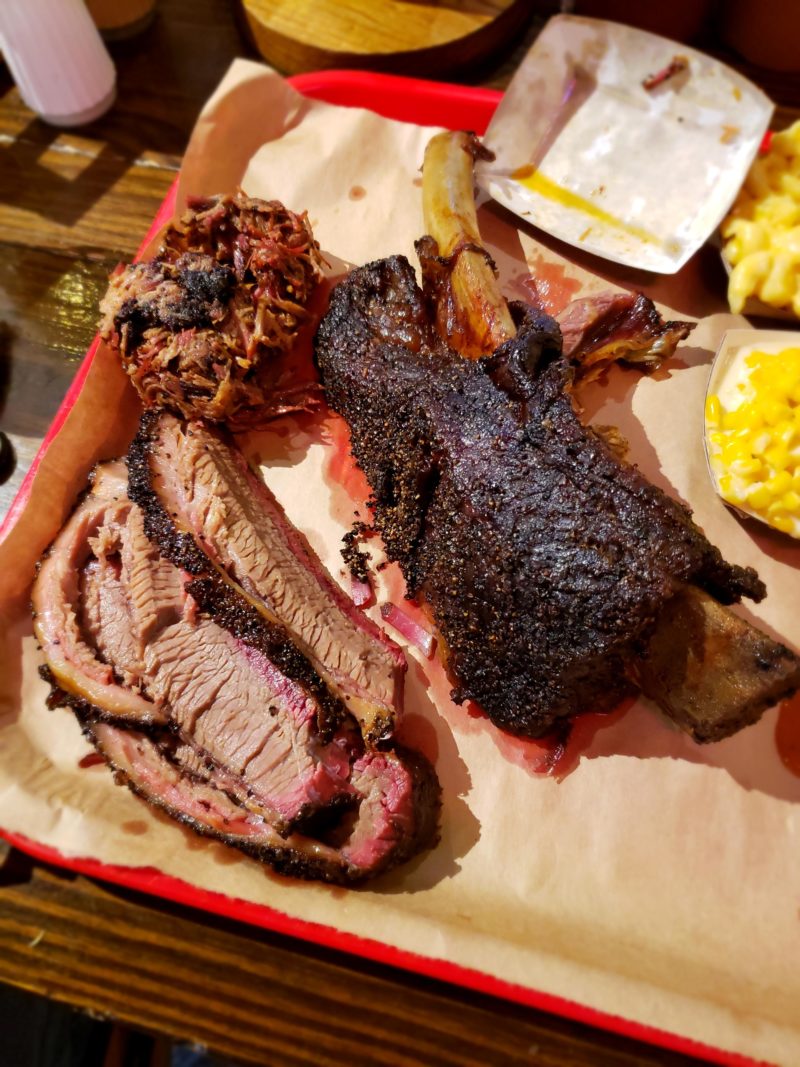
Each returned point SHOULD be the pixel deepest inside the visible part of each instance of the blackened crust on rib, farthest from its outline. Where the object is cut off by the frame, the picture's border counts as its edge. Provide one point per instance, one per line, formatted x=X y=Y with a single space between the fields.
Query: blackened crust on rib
x=212 y=592
x=544 y=557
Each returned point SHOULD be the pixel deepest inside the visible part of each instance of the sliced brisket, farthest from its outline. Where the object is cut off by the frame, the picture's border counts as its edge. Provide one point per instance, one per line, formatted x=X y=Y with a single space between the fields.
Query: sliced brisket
x=151 y=772
x=193 y=712
x=395 y=815
x=210 y=514
x=75 y=638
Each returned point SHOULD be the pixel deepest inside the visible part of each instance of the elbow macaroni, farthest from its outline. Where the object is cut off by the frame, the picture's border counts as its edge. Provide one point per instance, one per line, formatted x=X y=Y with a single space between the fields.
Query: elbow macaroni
x=762 y=231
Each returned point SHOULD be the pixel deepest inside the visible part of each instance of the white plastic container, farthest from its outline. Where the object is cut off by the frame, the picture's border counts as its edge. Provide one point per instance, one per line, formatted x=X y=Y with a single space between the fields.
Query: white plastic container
x=57 y=59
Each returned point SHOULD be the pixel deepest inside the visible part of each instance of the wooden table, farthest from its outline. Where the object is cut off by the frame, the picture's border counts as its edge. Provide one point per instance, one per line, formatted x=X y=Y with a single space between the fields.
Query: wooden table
x=72 y=204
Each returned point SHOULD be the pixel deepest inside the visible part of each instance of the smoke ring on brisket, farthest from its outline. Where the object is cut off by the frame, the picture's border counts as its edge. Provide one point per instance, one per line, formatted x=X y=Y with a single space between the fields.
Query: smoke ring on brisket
x=212 y=709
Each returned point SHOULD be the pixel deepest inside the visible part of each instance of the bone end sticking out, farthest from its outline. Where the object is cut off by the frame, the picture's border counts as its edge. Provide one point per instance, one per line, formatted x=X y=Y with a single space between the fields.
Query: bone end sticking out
x=448 y=199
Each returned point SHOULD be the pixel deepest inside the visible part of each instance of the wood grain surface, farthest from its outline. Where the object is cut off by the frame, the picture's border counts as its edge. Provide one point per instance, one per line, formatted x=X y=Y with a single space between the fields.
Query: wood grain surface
x=72 y=204
x=429 y=40
x=262 y=998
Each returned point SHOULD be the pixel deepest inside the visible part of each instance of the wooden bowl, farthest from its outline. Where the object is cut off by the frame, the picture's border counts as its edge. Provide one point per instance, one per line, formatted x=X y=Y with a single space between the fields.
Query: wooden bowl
x=423 y=39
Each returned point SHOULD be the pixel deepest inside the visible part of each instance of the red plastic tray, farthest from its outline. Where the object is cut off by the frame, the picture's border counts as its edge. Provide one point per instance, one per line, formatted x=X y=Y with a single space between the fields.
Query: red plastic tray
x=434 y=104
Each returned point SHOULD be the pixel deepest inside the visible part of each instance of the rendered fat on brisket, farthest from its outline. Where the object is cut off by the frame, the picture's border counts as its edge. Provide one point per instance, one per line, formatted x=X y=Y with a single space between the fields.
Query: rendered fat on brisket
x=211 y=515
x=191 y=700
x=545 y=560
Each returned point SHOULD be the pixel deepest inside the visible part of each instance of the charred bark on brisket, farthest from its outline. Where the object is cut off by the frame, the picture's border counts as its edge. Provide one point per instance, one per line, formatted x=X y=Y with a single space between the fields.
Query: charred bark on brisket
x=173 y=678
x=211 y=516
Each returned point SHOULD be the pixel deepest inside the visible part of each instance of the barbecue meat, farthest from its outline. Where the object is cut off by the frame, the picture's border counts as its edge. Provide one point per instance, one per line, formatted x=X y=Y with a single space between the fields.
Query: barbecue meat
x=597 y=331
x=711 y=671
x=204 y=328
x=396 y=817
x=617 y=328
x=175 y=695
x=78 y=621
x=545 y=560
x=209 y=513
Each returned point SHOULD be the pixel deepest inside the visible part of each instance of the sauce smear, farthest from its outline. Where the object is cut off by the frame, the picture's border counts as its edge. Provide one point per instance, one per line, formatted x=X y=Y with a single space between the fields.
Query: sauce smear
x=550 y=190
x=549 y=286
x=91 y=759
x=342 y=471
x=787 y=734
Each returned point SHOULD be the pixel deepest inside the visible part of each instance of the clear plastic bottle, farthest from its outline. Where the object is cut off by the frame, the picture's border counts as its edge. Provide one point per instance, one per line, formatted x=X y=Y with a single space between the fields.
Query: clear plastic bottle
x=57 y=59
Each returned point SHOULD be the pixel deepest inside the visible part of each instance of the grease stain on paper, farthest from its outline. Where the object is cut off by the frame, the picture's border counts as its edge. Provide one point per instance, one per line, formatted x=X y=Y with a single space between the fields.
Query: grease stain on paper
x=136 y=827
x=548 y=189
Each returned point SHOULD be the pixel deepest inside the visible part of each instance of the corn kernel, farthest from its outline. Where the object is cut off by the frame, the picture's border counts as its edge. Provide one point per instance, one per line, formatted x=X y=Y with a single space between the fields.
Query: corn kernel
x=712 y=410
x=761 y=443
x=759 y=497
x=776 y=510
x=785 y=432
x=735 y=449
x=734 y=496
x=791 y=501
x=772 y=410
x=779 y=483
x=747 y=467
x=777 y=457
x=782 y=523
x=735 y=420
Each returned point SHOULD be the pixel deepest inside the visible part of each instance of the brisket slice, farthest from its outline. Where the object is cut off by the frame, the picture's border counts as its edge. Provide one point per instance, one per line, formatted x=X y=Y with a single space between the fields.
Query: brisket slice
x=546 y=560
x=211 y=515
x=396 y=818
x=182 y=703
x=147 y=768
x=74 y=612
x=213 y=688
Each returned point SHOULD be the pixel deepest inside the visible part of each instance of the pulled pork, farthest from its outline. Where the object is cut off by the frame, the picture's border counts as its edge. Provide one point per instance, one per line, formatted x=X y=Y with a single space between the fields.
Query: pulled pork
x=205 y=327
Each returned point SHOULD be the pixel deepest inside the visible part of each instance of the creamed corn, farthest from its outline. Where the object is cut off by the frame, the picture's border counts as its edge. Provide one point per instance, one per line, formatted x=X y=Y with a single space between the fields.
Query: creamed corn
x=754 y=447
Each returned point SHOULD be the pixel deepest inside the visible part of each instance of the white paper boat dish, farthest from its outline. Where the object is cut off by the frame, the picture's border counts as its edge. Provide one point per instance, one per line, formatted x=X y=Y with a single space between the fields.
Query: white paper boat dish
x=587 y=154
